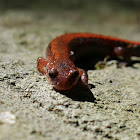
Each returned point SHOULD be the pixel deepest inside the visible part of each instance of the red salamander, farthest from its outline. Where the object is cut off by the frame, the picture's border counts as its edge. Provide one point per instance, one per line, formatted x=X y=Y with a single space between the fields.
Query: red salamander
x=61 y=54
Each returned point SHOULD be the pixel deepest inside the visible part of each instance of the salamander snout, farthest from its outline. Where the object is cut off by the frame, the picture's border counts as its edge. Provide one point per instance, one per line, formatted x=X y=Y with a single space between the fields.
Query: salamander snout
x=64 y=79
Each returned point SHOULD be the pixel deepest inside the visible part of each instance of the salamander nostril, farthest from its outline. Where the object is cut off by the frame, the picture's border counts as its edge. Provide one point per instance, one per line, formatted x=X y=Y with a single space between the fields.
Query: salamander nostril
x=53 y=73
x=75 y=74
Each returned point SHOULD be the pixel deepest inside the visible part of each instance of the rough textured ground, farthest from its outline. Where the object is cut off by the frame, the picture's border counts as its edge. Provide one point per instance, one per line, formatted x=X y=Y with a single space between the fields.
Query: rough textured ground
x=31 y=109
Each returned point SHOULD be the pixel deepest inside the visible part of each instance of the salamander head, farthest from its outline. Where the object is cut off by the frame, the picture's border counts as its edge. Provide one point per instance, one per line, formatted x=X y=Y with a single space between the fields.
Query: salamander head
x=63 y=75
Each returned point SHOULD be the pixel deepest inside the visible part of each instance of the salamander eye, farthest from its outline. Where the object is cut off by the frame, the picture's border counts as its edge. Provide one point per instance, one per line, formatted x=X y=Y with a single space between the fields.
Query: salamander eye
x=75 y=74
x=53 y=73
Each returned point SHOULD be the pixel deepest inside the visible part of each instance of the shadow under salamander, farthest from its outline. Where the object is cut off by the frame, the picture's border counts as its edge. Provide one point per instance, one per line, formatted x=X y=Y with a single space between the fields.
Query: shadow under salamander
x=81 y=94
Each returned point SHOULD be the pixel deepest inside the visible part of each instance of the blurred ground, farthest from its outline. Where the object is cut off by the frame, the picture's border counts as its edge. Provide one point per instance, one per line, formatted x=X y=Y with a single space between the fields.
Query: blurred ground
x=31 y=109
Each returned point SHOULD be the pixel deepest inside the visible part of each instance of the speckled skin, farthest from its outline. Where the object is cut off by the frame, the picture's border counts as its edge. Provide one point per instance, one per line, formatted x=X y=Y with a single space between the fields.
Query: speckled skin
x=59 y=64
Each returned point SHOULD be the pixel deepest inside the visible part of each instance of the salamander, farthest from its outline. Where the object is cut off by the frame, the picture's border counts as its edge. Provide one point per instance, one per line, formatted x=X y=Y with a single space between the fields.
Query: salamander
x=61 y=54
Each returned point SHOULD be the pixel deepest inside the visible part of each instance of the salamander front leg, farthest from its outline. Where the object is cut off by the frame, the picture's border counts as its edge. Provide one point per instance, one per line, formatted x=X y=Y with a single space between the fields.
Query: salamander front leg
x=83 y=78
x=41 y=65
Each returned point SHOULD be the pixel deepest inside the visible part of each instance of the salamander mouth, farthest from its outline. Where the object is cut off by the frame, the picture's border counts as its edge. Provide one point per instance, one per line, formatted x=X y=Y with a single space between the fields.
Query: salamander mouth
x=65 y=87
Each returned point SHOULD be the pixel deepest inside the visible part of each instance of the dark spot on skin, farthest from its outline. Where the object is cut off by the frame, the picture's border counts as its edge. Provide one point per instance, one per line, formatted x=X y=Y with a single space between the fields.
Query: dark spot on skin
x=64 y=65
x=49 y=47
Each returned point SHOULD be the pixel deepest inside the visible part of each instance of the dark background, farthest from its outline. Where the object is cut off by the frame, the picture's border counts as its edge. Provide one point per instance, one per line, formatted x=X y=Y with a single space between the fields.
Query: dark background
x=67 y=4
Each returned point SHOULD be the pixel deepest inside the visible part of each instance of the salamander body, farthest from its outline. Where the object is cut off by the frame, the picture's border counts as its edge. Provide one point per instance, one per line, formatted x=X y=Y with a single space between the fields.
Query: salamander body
x=59 y=65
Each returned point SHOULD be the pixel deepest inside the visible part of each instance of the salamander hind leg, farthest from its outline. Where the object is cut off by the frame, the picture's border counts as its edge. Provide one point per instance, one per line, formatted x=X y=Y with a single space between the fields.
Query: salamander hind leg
x=83 y=78
x=41 y=65
x=124 y=54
